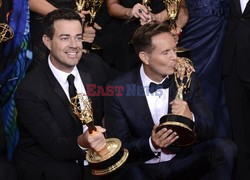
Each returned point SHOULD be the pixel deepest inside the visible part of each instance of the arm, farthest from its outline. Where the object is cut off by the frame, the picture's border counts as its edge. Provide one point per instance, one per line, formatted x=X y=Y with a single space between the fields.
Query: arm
x=204 y=123
x=182 y=17
x=95 y=141
x=118 y=125
x=163 y=16
x=40 y=121
x=41 y=7
x=181 y=21
x=35 y=117
x=115 y=9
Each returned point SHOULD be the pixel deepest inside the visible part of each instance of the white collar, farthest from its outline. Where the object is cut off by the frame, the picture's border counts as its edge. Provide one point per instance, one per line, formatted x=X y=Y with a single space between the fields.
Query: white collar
x=145 y=79
x=61 y=76
x=243 y=4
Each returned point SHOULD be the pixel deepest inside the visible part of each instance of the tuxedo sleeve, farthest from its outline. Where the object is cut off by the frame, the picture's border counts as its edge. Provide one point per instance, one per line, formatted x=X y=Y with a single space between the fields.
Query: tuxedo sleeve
x=204 y=122
x=37 y=122
x=119 y=125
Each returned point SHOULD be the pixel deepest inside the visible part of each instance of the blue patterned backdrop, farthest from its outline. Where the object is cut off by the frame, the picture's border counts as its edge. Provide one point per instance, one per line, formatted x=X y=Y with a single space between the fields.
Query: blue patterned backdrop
x=15 y=57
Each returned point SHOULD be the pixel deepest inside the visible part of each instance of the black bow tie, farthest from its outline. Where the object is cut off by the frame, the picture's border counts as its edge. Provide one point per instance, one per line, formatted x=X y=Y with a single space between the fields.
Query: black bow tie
x=154 y=87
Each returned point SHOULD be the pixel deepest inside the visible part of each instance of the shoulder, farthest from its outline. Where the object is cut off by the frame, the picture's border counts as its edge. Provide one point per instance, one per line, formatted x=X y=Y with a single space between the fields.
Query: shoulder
x=195 y=80
x=35 y=80
x=89 y=62
x=97 y=68
x=33 y=77
x=126 y=78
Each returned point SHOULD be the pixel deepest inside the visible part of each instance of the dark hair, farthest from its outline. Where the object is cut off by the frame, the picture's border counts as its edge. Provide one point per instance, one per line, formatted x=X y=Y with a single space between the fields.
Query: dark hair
x=142 y=37
x=58 y=14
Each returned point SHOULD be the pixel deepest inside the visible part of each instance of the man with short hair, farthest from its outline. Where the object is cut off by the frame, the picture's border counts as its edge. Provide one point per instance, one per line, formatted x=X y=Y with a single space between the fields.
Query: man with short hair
x=52 y=139
x=38 y=10
x=133 y=117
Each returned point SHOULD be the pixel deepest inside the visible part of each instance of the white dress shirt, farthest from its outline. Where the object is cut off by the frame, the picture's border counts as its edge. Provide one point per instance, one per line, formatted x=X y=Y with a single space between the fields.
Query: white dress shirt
x=158 y=105
x=243 y=4
x=62 y=79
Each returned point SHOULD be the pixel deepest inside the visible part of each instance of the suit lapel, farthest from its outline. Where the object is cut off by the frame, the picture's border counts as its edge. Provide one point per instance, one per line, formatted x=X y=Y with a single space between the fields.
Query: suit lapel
x=237 y=6
x=86 y=79
x=60 y=92
x=140 y=102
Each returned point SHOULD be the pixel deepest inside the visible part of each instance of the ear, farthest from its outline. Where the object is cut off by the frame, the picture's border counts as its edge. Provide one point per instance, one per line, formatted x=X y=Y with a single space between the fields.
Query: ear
x=47 y=41
x=144 y=57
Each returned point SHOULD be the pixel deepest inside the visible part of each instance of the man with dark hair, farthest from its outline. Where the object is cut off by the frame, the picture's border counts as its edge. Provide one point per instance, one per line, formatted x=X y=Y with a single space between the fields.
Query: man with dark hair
x=133 y=117
x=38 y=10
x=52 y=140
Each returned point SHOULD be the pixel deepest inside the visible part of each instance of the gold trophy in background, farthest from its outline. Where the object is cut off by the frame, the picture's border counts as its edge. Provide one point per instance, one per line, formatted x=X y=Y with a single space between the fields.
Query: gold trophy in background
x=183 y=126
x=173 y=8
x=93 y=7
x=146 y=3
x=112 y=156
x=6 y=33
x=81 y=5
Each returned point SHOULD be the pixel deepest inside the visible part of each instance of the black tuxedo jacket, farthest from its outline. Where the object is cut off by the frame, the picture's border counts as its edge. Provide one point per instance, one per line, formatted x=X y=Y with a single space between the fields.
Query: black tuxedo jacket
x=6 y=168
x=2 y=139
x=236 y=50
x=47 y=125
x=128 y=117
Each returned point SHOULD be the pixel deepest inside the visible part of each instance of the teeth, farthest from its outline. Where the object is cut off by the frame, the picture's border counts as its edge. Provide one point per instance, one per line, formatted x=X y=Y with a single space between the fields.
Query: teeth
x=71 y=53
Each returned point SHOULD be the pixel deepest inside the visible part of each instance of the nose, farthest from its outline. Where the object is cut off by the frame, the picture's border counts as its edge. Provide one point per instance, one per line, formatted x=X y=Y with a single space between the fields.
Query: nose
x=72 y=42
x=173 y=54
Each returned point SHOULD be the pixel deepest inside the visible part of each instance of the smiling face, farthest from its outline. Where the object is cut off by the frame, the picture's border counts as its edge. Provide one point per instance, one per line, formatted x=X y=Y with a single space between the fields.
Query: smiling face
x=160 y=62
x=66 y=45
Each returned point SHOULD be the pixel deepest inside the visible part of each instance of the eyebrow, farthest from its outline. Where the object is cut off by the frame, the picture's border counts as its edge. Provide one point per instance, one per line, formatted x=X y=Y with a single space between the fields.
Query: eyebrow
x=165 y=50
x=63 y=35
x=174 y=48
x=69 y=35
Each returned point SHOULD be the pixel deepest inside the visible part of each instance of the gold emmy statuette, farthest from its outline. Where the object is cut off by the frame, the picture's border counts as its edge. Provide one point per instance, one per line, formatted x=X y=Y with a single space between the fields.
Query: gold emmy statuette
x=183 y=126
x=81 y=5
x=146 y=3
x=6 y=33
x=112 y=156
x=173 y=8
x=93 y=6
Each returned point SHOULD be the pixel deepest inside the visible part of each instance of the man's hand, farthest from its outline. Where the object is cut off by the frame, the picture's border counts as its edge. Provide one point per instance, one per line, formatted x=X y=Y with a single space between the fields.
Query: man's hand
x=83 y=14
x=90 y=32
x=163 y=138
x=95 y=141
x=180 y=107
